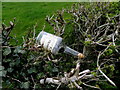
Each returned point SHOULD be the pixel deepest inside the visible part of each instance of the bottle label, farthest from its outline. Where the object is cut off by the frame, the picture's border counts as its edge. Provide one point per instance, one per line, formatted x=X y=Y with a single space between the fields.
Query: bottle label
x=49 y=41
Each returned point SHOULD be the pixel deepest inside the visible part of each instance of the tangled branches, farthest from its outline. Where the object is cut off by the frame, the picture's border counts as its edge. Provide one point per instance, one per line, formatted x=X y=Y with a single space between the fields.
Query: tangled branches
x=70 y=78
x=89 y=27
x=96 y=28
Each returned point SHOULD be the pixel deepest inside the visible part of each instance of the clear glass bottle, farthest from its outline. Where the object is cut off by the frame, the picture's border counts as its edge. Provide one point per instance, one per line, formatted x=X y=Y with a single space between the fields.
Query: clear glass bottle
x=55 y=45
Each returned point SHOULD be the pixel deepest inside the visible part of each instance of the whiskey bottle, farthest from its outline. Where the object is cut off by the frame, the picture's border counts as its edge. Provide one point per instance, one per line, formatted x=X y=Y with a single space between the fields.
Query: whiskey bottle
x=55 y=44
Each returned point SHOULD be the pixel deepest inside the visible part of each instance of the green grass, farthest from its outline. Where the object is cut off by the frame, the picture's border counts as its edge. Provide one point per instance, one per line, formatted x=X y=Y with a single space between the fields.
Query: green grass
x=28 y=14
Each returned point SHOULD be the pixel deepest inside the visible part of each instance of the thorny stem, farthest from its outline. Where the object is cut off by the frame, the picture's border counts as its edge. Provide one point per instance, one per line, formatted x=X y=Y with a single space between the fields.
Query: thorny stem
x=14 y=79
x=91 y=86
x=58 y=86
x=98 y=58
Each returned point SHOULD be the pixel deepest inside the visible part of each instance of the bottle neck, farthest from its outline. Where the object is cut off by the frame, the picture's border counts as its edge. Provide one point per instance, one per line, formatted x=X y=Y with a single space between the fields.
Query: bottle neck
x=69 y=50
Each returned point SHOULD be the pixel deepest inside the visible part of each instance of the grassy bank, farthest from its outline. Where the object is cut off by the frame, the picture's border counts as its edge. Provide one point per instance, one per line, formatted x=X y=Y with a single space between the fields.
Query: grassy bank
x=27 y=14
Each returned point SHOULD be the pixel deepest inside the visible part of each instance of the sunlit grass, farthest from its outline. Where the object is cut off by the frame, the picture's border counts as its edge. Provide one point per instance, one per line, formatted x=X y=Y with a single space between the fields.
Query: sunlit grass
x=27 y=14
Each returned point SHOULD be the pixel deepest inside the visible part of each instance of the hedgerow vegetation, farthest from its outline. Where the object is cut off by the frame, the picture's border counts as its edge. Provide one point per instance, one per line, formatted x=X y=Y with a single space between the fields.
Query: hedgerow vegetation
x=91 y=28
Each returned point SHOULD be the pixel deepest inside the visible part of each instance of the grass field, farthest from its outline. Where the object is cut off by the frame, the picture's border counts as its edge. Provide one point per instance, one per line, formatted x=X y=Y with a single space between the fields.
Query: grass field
x=27 y=14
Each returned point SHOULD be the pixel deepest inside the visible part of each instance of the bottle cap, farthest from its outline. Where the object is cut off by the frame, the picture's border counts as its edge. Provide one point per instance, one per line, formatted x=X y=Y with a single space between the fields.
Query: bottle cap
x=80 y=55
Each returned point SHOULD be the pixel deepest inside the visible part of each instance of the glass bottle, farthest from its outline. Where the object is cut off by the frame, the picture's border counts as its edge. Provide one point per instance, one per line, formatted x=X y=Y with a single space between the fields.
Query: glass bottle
x=55 y=45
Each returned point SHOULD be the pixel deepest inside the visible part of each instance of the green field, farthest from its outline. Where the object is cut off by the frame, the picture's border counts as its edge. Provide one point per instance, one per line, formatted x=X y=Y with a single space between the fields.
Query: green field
x=27 y=14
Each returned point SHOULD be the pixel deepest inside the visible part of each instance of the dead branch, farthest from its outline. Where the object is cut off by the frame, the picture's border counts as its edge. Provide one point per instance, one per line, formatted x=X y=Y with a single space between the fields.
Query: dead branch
x=70 y=77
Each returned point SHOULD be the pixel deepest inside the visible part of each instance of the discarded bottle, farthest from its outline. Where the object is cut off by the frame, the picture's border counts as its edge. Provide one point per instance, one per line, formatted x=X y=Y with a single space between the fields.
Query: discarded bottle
x=54 y=44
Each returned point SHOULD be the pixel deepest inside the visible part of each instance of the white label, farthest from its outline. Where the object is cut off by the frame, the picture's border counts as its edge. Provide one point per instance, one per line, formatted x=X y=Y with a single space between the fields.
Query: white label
x=48 y=41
